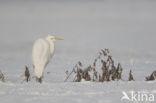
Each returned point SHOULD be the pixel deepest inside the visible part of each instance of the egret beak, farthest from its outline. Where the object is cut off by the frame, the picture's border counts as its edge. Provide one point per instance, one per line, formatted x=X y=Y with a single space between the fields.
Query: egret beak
x=58 y=38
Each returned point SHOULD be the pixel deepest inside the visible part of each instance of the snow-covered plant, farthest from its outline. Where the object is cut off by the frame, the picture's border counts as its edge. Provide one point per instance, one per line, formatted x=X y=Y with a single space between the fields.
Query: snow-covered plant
x=27 y=74
x=130 y=76
x=151 y=77
x=2 y=78
x=108 y=70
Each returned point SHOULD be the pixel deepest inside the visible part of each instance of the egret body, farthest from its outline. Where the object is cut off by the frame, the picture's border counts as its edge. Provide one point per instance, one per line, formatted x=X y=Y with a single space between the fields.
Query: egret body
x=42 y=52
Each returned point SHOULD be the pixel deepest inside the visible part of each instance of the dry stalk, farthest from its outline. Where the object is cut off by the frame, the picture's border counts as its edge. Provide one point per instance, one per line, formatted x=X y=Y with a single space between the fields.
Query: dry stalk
x=79 y=64
x=151 y=77
x=130 y=76
x=100 y=78
x=109 y=70
x=2 y=78
x=27 y=74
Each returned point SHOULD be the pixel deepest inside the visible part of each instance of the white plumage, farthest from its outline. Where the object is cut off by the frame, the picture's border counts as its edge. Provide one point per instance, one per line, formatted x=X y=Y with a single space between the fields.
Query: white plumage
x=42 y=52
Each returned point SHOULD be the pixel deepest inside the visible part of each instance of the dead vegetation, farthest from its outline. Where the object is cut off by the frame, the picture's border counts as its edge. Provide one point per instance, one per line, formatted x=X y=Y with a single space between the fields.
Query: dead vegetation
x=130 y=76
x=27 y=74
x=151 y=77
x=2 y=78
x=109 y=72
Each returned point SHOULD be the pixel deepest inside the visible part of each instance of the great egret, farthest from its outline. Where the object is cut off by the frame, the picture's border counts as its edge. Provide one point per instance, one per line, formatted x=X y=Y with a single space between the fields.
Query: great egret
x=42 y=52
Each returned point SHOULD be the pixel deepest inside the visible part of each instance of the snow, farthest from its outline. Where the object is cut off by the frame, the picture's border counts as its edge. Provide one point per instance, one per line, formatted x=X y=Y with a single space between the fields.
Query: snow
x=110 y=92
x=126 y=27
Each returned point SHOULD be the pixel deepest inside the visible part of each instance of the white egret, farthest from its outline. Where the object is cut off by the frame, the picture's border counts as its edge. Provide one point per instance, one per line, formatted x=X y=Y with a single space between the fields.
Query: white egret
x=42 y=52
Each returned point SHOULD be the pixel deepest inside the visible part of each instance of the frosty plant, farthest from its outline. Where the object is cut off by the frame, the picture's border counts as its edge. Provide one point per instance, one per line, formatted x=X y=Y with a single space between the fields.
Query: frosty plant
x=151 y=77
x=130 y=76
x=27 y=74
x=2 y=77
x=108 y=70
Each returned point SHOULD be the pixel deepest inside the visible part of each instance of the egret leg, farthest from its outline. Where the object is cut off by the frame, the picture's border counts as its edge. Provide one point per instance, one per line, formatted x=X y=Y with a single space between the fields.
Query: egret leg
x=39 y=79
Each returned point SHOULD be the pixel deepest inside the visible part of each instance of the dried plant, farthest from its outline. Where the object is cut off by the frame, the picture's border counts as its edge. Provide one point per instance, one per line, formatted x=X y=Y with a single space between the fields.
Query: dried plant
x=151 y=77
x=100 y=78
x=109 y=70
x=27 y=74
x=119 y=71
x=83 y=74
x=110 y=60
x=108 y=76
x=104 y=71
x=78 y=77
x=76 y=67
x=95 y=76
x=87 y=77
x=104 y=52
x=2 y=78
x=94 y=63
x=130 y=76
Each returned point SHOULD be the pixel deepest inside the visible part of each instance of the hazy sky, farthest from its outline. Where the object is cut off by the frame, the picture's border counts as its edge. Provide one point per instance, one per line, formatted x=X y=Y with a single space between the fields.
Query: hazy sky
x=90 y=24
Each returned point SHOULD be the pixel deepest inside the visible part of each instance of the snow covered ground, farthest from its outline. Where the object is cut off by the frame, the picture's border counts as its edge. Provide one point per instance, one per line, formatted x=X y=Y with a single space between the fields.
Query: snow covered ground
x=126 y=27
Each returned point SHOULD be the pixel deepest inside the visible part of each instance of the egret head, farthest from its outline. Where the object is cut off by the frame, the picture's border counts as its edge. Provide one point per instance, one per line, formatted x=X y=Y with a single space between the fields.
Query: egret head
x=53 y=38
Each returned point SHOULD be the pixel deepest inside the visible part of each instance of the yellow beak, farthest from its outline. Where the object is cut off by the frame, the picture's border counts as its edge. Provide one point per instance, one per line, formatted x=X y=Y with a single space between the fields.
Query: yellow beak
x=58 y=38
